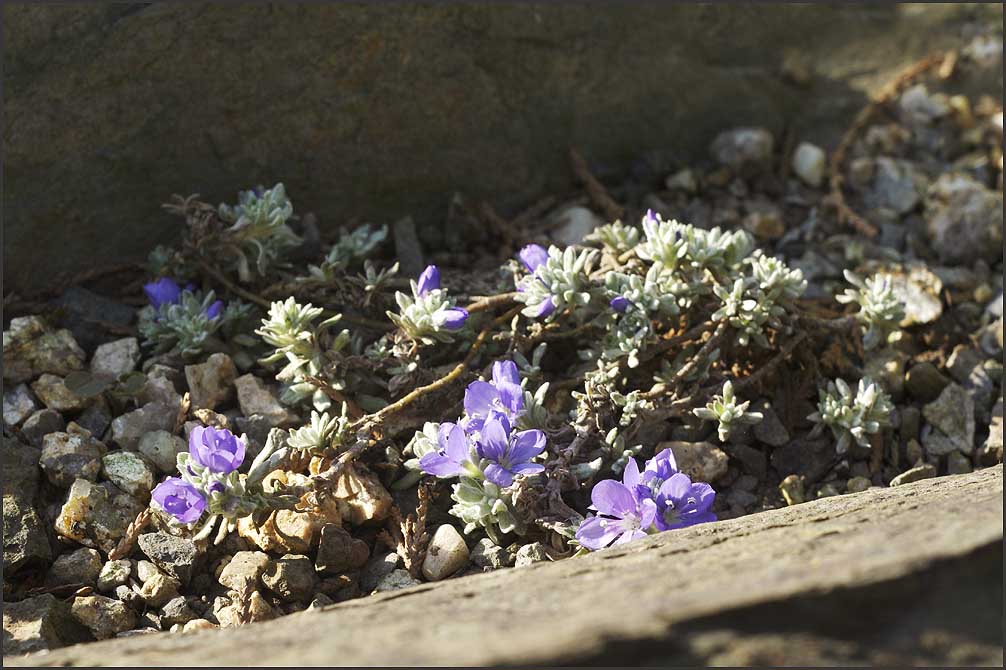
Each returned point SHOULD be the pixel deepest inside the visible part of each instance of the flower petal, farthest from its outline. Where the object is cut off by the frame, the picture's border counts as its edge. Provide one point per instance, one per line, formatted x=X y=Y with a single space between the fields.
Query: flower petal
x=676 y=488
x=647 y=513
x=533 y=256
x=613 y=498
x=453 y=318
x=661 y=465
x=630 y=476
x=628 y=536
x=435 y=463
x=457 y=445
x=620 y=304
x=479 y=398
x=695 y=519
x=545 y=308
x=214 y=310
x=497 y=475
x=505 y=371
x=595 y=533
x=511 y=397
x=429 y=280
x=528 y=468
x=495 y=439
x=704 y=496
x=526 y=445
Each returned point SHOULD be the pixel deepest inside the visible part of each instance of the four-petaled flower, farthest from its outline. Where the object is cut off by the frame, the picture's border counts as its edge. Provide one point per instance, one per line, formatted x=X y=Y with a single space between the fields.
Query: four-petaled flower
x=681 y=503
x=623 y=515
x=453 y=455
x=509 y=453
x=180 y=499
x=503 y=396
x=216 y=449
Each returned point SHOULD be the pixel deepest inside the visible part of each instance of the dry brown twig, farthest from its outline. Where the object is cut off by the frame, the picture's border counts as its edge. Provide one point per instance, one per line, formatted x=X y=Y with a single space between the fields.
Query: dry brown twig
x=846 y=214
x=128 y=541
x=184 y=405
x=595 y=189
x=409 y=534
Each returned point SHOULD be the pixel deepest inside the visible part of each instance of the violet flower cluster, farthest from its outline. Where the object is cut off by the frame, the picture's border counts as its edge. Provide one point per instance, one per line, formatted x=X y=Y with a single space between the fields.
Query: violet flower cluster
x=183 y=318
x=486 y=451
x=210 y=483
x=429 y=315
x=657 y=499
x=484 y=443
x=214 y=456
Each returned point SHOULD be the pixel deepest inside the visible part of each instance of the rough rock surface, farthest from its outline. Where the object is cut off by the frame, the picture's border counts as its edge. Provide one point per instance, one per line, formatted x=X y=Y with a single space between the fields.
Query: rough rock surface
x=902 y=576
x=492 y=95
x=39 y=623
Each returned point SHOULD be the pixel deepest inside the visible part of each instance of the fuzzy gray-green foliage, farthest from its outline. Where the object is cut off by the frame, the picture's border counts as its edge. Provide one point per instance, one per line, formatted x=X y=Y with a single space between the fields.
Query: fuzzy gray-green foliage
x=727 y=412
x=184 y=326
x=351 y=247
x=880 y=309
x=853 y=416
x=259 y=228
x=290 y=329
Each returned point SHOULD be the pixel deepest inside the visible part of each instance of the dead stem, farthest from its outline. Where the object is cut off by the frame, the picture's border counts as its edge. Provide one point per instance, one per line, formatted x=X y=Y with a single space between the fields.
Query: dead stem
x=689 y=367
x=488 y=302
x=128 y=541
x=217 y=276
x=845 y=213
x=783 y=354
x=598 y=194
x=363 y=322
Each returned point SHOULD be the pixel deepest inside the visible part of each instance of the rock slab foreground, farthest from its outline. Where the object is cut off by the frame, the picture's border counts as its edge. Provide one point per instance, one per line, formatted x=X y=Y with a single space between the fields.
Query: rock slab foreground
x=902 y=576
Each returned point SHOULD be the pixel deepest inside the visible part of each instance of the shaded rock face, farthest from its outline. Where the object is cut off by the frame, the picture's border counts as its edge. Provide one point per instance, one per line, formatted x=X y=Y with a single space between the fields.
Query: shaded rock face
x=363 y=99
x=900 y=576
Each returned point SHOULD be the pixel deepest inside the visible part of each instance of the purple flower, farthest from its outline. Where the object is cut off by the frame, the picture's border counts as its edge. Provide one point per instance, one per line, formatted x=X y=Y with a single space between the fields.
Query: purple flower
x=620 y=304
x=622 y=516
x=533 y=256
x=453 y=318
x=681 y=503
x=429 y=280
x=545 y=308
x=503 y=396
x=180 y=499
x=217 y=449
x=661 y=466
x=453 y=457
x=214 y=310
x=164 y=291
x=650 y=218
x=510 y=454
x=216 y=487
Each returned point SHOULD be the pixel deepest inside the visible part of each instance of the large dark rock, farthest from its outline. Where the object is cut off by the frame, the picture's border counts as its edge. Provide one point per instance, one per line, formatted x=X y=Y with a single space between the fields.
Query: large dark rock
x=38 y=624
x=898 y=577
x=380 y=111
x=25 y=537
